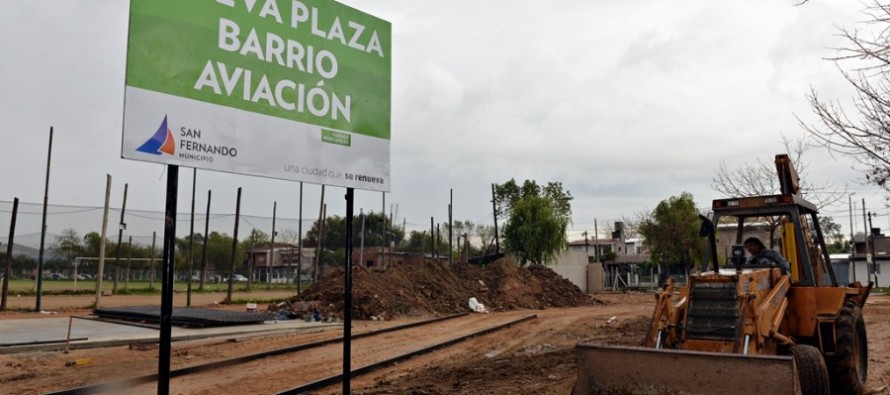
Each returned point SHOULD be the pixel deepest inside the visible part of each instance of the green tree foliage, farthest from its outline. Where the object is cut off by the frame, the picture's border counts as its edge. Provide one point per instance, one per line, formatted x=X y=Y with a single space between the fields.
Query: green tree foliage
x=479 y=236
x=417 y=242
x=22 y=265
x=535 y=231
x=219 y=253
x=671 y=232
x=508 y=193
x=257 y=238
x=334 y=240
x=68 y=246
x=537 y=218
x=335 y=232
x=91 y=243
x=834 y=239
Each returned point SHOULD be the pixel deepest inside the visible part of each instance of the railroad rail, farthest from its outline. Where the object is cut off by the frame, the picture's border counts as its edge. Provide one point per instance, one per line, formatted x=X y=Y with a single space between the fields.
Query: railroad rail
x=123 y=384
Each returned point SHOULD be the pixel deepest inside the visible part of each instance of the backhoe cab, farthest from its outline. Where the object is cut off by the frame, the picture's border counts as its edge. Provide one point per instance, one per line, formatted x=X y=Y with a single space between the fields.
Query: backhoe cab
x=742 y=328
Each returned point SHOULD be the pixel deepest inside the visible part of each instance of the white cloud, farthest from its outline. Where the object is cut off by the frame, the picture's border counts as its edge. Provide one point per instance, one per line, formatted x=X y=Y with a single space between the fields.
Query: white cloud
x=626 y=103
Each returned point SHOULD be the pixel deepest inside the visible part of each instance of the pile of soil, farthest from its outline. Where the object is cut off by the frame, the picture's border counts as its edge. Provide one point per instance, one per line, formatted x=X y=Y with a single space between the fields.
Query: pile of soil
x=437 y=288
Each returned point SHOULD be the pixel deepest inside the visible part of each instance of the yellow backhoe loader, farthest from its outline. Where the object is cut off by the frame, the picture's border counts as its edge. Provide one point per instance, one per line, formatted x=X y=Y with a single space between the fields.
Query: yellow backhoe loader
x=747 y=328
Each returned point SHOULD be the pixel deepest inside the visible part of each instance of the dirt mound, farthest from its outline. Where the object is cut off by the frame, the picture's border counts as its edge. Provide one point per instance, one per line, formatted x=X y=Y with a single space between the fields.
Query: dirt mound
x=439 y=289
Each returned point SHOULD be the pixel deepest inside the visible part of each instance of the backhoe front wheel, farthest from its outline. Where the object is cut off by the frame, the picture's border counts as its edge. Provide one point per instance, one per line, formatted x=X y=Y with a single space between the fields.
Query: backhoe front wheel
x=811 y=371
x=849 y=364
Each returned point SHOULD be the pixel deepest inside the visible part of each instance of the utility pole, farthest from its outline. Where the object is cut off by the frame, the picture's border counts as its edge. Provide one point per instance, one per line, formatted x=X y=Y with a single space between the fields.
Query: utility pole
x=300 y=242
x=271 y=263
x=318 y=248
x=852 y=244
x=129 y=256
x=450 y=226
x=596 y=242
x=361 y=246
x=466 y=248
x=101 y=273
x=868 y=257
x=121 y=226
x=188 y=293
x=204 y=246
x=151 y=261
x=872 y=252
x=586 y=242
x=7 y=269
x=494 y=209
x=234 y=248
x=39 y=277
x=382 y=256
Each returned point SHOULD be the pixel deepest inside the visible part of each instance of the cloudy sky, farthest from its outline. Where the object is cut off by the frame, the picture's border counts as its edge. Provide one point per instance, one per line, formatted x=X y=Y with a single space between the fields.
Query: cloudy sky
x=625 y=102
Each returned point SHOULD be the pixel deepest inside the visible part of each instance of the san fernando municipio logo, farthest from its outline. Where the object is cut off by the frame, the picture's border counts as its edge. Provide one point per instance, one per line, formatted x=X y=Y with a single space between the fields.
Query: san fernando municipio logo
x=161 y=142
x=192 y=147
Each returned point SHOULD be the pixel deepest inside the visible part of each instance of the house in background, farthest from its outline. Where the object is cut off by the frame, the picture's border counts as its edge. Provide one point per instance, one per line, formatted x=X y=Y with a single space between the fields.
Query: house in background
x=622 y=260
x=280 y=264
x=854 y=267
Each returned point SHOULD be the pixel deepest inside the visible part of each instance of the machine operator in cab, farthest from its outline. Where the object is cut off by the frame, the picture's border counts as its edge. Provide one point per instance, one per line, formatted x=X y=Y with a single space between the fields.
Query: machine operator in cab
x=760 y=255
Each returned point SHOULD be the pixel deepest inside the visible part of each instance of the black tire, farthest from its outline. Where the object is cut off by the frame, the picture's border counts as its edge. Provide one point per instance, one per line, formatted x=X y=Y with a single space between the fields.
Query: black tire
x=811 y=370
x=849 y=364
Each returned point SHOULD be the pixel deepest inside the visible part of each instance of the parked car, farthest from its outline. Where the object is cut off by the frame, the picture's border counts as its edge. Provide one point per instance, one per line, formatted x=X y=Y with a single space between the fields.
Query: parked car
x=58 y=276
x=237 y=278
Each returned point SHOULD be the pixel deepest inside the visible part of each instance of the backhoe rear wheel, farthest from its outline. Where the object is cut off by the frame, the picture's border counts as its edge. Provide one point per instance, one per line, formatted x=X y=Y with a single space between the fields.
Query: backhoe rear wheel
x=849 y=364
x=811 y=370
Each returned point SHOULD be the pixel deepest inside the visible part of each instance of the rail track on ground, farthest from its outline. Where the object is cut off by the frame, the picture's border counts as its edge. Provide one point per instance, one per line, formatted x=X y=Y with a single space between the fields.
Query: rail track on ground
x=313 y=365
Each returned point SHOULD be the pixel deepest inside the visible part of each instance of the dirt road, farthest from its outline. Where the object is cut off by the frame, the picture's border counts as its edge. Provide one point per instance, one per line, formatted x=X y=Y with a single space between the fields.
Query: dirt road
x=535 y=357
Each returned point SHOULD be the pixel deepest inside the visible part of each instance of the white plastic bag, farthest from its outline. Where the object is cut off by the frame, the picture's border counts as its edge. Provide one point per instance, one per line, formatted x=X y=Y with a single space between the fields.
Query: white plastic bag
x=476 y=306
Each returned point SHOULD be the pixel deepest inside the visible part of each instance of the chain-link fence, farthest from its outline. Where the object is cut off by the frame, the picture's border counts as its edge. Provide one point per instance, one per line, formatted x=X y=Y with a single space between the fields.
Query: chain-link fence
x=72 y=232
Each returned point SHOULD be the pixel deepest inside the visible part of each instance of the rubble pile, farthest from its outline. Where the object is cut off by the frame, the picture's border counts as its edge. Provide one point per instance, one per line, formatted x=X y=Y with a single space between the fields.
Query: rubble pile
x=437 y=288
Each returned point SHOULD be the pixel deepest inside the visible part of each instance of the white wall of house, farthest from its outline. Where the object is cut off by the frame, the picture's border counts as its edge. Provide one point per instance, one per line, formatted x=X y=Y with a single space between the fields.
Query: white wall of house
x=572 y=265
x=883 y=273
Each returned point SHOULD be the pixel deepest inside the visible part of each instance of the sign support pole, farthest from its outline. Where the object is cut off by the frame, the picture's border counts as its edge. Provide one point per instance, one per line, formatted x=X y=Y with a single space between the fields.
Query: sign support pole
x=347 y=292
x=167 y=281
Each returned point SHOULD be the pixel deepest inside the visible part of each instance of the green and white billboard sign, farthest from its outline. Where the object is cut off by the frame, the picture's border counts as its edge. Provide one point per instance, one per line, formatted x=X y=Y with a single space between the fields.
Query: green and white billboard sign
x=292 y=89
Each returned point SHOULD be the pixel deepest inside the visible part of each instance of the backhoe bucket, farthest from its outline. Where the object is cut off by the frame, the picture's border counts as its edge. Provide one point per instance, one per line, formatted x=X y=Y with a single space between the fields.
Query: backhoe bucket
x=634 y=370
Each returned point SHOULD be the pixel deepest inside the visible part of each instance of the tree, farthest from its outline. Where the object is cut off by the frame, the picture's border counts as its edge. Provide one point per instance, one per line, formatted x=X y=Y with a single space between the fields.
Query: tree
x=863 y=134
x=256 y=238
x=91 y=243
x=508 y=193
x=415 y=242
x=834 y=239
x=535 y=231
x=334 y=240
x=68 y=245
x=548 y=207
x=671 y=232
x=219 y=252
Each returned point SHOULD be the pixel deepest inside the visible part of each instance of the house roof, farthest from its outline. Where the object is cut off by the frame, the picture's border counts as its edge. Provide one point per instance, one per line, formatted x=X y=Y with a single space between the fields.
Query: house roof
x=631 y=259
x=592 y=242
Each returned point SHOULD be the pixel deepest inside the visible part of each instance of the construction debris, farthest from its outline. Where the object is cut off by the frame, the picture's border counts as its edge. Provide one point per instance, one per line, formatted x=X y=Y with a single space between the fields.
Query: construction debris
x=437 y=288
x=79 y=362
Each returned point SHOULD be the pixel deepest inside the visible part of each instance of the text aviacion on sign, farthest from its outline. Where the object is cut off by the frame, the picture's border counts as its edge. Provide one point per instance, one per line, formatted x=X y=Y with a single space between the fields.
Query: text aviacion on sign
x=223 y=79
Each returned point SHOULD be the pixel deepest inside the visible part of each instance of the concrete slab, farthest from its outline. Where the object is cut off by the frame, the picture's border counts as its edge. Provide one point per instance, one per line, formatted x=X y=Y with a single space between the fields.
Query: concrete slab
x=47 y=334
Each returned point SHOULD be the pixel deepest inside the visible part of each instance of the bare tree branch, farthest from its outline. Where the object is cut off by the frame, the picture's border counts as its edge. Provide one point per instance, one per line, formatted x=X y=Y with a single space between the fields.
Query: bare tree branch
x=760 y=178
x=863 y=133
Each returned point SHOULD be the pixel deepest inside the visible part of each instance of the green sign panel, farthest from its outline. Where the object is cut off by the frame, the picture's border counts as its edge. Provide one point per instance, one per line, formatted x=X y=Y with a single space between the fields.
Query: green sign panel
x=269 y=80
